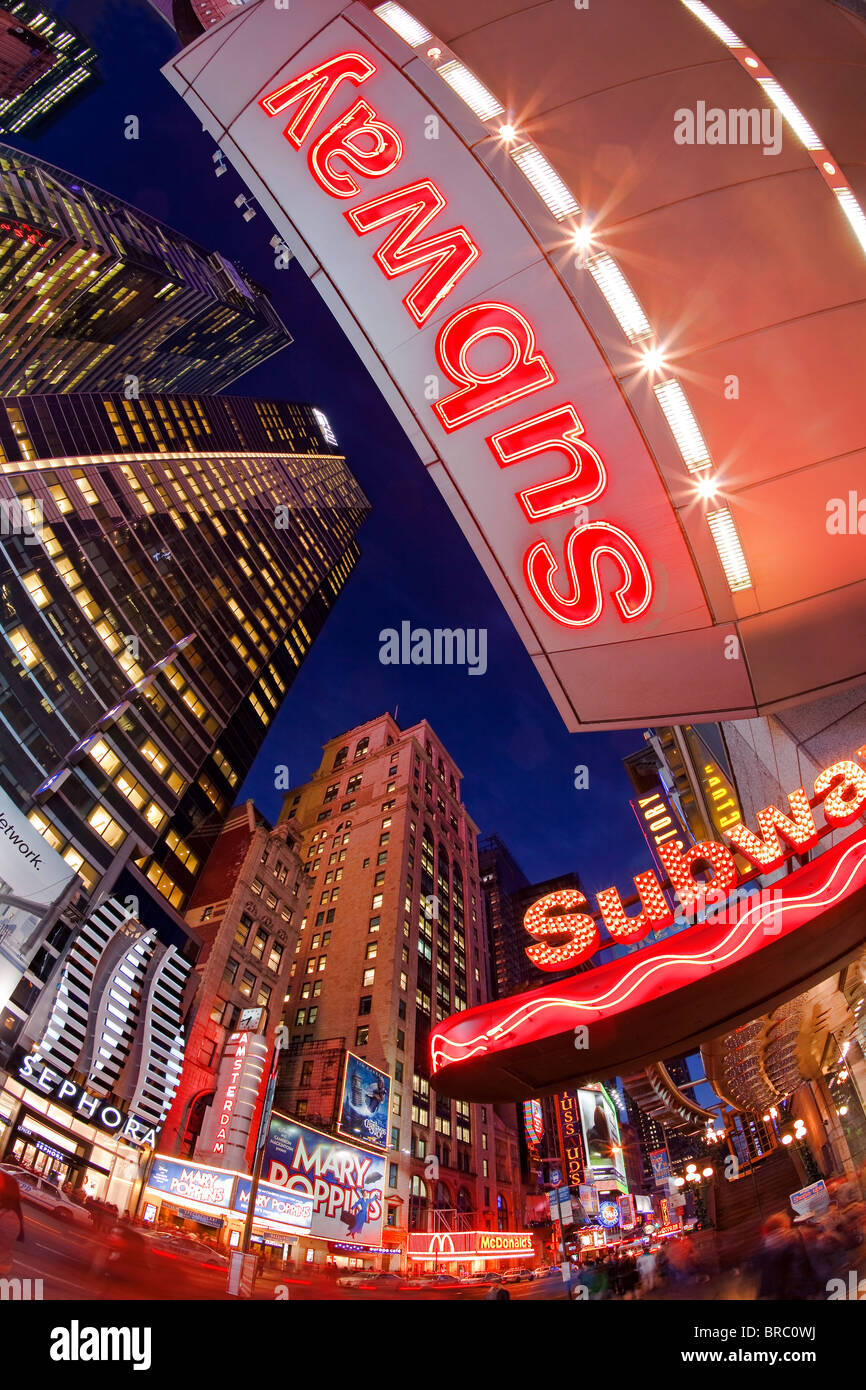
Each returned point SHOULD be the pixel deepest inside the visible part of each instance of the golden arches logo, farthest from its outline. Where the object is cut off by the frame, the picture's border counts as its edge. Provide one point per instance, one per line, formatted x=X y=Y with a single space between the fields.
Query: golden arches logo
x=441 y=1244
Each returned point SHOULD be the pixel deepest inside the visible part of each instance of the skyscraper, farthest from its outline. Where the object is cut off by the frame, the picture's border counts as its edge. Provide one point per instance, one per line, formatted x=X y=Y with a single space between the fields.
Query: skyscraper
x=166 y=564
x=97 y=296
x=501 y=877
x=42 y=64
x=394 y=938
x=246 y=908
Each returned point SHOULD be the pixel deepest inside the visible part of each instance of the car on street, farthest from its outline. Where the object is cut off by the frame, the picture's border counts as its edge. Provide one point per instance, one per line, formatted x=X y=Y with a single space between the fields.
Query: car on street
x=192 y=1251
x=49 y=1197
x=515 y=1276
x=381 y=1282
x=10 y=1166
x=351 y=1281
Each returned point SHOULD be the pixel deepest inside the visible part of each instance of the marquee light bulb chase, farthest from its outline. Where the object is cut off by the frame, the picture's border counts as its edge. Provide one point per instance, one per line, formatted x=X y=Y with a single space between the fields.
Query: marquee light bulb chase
x=488 y=350
x=807 y=922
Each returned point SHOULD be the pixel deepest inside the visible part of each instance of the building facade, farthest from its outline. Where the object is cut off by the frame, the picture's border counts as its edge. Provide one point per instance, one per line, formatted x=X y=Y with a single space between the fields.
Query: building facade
x=246 y=908
x=97 y=296
x=168 y=562
x=395 y=938
x=96 y=1064
x=501 y=877
x=43 y=64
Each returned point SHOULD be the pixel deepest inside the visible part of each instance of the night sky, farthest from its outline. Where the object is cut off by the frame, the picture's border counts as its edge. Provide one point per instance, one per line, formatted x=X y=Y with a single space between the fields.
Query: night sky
x=501 y=728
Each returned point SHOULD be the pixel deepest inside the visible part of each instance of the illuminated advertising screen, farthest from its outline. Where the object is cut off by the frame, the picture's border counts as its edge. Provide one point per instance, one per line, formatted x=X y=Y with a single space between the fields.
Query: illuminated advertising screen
x=601 y=1142
x=292 y=1210
x=191 y=1182
x=346 y=1183
x=366 y=1102
x=33 y=878
x=533 y=1121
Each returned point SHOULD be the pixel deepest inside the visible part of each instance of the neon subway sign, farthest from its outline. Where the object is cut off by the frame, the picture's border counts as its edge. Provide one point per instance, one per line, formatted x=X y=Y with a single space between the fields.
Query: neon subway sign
x=694 y=962
x=359 y=145
x=564 y=937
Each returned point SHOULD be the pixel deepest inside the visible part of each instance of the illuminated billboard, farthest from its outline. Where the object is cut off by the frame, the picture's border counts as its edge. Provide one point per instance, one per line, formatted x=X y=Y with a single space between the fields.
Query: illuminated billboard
x=346 y=1183
x=451 y=200
x=533 y=1122
x=601 y=1141
x=33 y=879
x=292 y=1211
x=365 y=1104
x=191 y=1182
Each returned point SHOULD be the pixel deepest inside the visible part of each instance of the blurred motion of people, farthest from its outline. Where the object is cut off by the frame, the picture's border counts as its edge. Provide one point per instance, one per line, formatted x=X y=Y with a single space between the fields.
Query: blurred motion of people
x=11 y=1220
x=785 y=1270
x=646 y=1268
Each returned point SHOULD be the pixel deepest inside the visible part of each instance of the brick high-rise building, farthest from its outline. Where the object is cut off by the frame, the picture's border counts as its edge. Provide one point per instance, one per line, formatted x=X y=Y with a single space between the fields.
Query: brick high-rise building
x=246 y=909
x=394 y=938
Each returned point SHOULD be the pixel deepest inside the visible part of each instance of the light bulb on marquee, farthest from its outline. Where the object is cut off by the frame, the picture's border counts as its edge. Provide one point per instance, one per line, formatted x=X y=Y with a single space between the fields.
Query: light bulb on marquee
x=681 y=863
x=556 y=915
x=654 y=911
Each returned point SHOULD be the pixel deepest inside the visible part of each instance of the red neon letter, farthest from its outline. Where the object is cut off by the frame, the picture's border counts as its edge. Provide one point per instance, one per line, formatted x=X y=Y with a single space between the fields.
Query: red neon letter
x=680 y=867
x=365 y=143
x=767 y=852
x=448 y=255
x=554 y=916
x=654 y=909
x=313 y=90
x=561 y=430
x=843 y=787
x=583 y=548
x=527 y=370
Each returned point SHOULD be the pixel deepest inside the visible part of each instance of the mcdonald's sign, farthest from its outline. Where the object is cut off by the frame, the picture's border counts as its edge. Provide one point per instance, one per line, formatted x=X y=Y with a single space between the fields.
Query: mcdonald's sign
x=446 y=1246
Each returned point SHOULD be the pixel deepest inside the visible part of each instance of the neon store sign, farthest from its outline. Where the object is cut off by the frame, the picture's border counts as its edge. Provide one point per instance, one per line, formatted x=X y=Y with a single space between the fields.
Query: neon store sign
x=564 y=937
x=96 y=1110
x=694 y=963
x=359 y=145
x=480 y=1245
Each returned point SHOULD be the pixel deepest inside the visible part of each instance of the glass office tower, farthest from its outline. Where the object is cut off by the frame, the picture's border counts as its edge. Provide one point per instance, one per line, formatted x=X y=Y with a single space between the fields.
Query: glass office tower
x=165 y=565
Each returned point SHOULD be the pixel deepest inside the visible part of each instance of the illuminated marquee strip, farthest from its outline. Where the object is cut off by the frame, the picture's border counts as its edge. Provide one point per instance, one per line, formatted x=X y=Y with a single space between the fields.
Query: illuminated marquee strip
x=821 y=157
x=623 y=984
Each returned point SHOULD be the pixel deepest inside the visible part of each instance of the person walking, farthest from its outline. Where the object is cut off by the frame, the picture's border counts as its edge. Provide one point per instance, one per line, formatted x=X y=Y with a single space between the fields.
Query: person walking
x=646 y=1268
x=11 y=1221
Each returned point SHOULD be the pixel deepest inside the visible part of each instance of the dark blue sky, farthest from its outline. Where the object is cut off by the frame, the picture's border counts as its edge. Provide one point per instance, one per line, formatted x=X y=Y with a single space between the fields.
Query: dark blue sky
x=502 y=728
